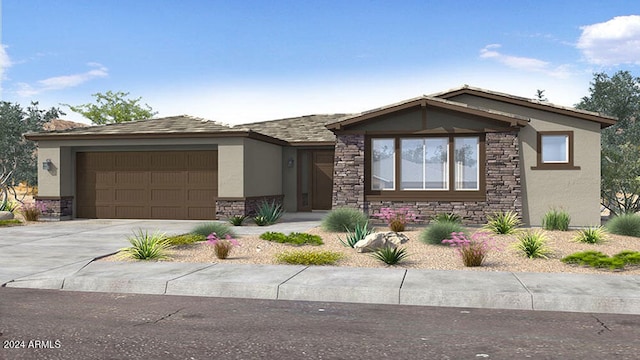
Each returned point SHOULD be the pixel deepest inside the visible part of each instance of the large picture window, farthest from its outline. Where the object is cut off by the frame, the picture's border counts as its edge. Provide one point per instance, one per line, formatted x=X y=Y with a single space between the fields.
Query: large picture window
x=426 y=167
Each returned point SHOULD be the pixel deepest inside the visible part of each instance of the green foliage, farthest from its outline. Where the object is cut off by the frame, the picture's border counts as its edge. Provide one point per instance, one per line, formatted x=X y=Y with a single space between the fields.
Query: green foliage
x=237 y=220
x=436 y=232
x=18 y=155
x=556 y=220
x=360 y=232
x=293 y=238
x=533 y=244
x=343 y=219
x=502 y=222
x=618 y=96
x=303 y=257
x=625 y=224
x=9 y=222
x=113 y=107
x=390 y=256
x=447 y=217
x=10 y=206
x=145 y=246
x=591 y=235
x=185 y=239
x=268 y=213
x=597 y=259
x=221 y=229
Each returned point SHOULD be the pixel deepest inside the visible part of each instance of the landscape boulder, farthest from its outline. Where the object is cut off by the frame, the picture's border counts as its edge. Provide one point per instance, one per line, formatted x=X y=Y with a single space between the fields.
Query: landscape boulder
x=378 y=240
x=6 y=215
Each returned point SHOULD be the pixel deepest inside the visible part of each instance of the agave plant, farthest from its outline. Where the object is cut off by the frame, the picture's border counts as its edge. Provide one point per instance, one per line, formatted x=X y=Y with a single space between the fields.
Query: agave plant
x=145 y=246
x=268 y=213
x=390 y=256
x=360 y=232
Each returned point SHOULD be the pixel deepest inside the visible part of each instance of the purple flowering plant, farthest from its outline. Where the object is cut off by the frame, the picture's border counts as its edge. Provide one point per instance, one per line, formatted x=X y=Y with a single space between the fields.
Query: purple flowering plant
x=32 y=211
x=221 y=247
x=396 y=219
x=472 y=250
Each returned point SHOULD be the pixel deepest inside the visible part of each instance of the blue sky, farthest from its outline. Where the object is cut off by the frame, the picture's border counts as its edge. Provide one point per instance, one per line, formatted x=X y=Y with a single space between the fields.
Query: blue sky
x=244 y=61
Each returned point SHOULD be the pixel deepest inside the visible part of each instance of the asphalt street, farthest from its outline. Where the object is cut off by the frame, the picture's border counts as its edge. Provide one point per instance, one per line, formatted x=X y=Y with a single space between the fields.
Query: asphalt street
x=50 y=324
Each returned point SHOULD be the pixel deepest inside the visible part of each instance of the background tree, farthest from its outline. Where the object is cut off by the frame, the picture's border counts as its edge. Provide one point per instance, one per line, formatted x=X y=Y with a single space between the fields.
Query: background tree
x=619 y=96
x=113 y=107
x=18 y=158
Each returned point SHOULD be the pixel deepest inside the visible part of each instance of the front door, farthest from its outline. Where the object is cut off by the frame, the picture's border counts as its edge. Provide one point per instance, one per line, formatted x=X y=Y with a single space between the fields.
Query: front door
x=315 y=179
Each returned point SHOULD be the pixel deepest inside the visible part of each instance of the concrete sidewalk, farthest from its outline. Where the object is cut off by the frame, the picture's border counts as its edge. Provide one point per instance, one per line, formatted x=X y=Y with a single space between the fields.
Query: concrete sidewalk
x=60 y=256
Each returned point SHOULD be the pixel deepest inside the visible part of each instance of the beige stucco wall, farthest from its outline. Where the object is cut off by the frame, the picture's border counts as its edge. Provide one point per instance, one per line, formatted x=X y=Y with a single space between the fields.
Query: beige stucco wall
x=290 y=179
x=262 y=168
x=576 y=191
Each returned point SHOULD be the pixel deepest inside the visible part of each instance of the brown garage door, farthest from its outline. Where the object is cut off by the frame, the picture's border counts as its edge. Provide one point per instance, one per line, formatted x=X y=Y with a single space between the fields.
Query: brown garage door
x=147 y=185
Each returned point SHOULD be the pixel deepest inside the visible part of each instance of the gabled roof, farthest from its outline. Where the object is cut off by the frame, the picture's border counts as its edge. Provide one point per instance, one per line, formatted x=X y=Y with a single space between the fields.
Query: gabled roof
x=429 y=101
x=604 y=120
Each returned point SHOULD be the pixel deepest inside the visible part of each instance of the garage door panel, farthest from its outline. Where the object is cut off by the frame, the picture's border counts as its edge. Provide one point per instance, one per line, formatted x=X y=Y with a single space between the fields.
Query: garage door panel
x=142 y=185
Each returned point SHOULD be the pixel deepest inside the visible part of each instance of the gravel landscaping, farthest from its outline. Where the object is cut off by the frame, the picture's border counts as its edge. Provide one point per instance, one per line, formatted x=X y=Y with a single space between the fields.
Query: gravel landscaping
x=256 y=251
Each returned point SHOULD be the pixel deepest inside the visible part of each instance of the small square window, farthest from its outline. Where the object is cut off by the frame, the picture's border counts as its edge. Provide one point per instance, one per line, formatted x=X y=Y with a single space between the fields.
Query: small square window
x=555 y=151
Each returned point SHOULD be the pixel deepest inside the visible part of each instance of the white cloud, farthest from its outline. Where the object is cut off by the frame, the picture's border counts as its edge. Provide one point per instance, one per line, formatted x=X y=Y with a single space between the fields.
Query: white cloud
x=64 y=81
x=5 y=63
x=524 y=63
x=612 y=42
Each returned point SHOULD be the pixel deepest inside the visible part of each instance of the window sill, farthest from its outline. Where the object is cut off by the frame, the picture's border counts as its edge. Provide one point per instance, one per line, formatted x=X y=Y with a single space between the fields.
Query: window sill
x=426 y=196
x=555 y=167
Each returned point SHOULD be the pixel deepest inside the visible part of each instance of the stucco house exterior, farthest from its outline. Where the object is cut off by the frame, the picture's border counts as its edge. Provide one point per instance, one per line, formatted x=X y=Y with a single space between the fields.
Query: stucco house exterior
x=468 y=150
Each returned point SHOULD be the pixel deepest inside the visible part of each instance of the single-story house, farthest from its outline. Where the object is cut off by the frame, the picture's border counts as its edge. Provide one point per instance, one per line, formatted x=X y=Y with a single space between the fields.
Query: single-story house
x=468 y=150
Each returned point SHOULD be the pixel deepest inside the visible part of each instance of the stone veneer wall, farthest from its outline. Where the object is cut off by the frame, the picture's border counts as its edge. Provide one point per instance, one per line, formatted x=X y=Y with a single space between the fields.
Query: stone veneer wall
x=226 y=208
x=55 y=208
x=502 y=182
x=348 y=172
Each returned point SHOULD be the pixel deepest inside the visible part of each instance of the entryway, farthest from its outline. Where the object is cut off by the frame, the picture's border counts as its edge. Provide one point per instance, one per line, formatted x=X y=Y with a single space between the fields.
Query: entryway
x=315 y=179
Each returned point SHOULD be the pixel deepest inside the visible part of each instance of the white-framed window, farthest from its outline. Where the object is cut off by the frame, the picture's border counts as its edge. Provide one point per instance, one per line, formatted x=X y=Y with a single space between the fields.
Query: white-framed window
x=425 y=164
x=466 y=160
x=383 y=164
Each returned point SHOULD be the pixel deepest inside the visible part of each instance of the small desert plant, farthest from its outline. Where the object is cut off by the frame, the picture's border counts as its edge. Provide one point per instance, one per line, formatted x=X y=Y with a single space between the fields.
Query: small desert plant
x=145 y=246
x=472 y=250
x=222 y=247
x=237 y=220
x=398 y=219
x=185 y=239
x=599 y=260
x=626 y=224
x=219 y=228
x=447 y=217
x=556 y=220
x=268 y=213
x=389 y=255
x=293 y=238
x=502 y=222
x=302 y=257
x=532 y=244
x=360 y=232
x=10 y=206
x=9 y=222
x=343 y=219
x=591 y=235
x=436 y=232
x=32 y=212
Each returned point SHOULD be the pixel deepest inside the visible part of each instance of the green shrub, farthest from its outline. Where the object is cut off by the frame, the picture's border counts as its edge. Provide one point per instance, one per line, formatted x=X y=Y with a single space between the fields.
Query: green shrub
x=533 y=244
x=268 y=213
x=10 y=222
x=556 y=220
x=599 y=260
x=502 y=222
x=185 y=239
x=591 y=235
x=390 y=256
x=145 y=246
x=626 y=224
x=293 y=238
x=10 y=206
x=221 y=229
x=360 y=232
x=237 y=220
x=436 y=232
x=447 y=217
x=302 y=257
x=343 y=219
